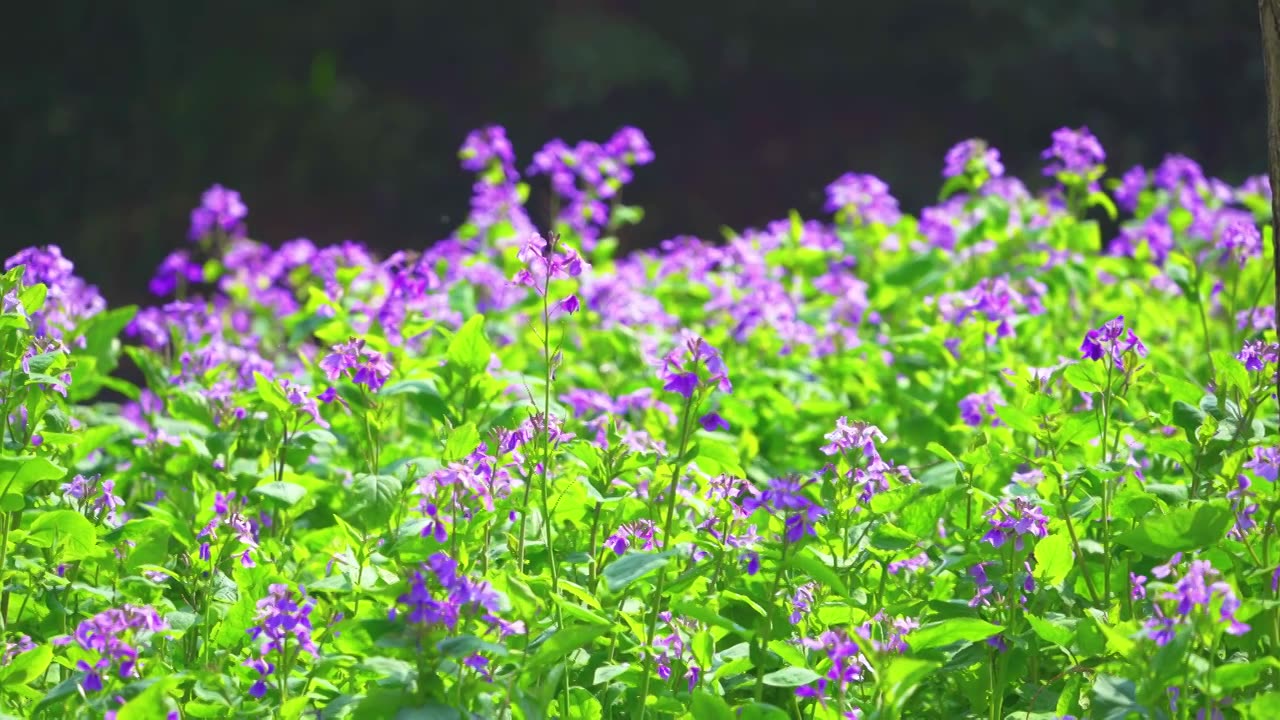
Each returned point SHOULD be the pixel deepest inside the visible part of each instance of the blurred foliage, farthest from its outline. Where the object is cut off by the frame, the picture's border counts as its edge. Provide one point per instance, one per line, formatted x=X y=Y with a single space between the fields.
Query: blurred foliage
x=339 y=120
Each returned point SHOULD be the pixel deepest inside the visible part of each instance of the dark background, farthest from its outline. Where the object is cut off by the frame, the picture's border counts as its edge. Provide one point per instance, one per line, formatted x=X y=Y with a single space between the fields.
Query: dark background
x=342 y=120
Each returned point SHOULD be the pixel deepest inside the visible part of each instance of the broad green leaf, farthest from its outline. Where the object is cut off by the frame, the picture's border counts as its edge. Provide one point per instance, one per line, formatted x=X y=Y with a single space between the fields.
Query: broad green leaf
x=818 y=570
x=791 y=677
x=953 y=630
x=563 y=642
x=1054 y=559
x=1051 y=631
x=152 y=703
x=1182 y=529
x=66 y=530
x=706 y=706
x=761 y=711
x=27 y=666
x=631 y=567
x=373 y=500
x=469 y=349
x=463 y=441
x=17 y=474
x=1017 y=419
x=286 y=492
x=705 y=614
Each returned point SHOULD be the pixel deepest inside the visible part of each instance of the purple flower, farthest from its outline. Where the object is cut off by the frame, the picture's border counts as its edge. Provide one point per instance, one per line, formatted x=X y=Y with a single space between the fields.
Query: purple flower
x=784 y=498
x=861 y=435
x=220 y=210
x=1130 y=188
x=263 y=668
x=1075 y=152
x=977 y=407
x=115 y=638
x=8 y=650
x=547 y=261
x=973 y=155
x=1011 y=519
x=1110 y=340
x=439 y=596
x=712 y=421
x=1257 y=355
x=848 y=665
x=1137 y=586
x=911 y=564
x=364 y=366
x=485 y=147
x=283 y=621
x=1241 y=241
x=641 y=533
x=864 y=198
x=679 y=369
x=1193 y=597
x=176 y=270
x=1177 y=172
x=1265 y=463
x=299 y=396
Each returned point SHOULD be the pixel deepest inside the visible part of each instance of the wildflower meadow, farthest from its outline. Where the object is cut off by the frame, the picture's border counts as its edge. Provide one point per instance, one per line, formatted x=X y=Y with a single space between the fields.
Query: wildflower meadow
x=1014 y=456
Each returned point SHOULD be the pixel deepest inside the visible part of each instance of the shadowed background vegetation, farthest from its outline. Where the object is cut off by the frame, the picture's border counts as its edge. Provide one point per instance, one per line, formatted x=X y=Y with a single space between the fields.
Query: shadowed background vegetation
x=341 y=120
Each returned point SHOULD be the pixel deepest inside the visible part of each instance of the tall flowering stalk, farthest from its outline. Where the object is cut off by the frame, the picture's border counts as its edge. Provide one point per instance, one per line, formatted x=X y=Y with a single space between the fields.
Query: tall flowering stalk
x=284 y=627
x=1120 y=349
x=547 y=260
x=692 y=369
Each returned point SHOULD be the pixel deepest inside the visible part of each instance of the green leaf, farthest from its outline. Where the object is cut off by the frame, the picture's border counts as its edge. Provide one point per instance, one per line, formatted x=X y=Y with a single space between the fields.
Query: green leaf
x=374 y=499
x=903 y=675
x=1054 y=559
x=271 y=394
x=818 y=570
x=151 y=703
x=631 y=567
x=1188 y=417
x=605 y=673
x=718 y=458
x=398 y=672
x=27 y=666
x=287 y=493
x=17 y=474
x=1015 y=418
x=462 y=442
x=1183 y=529
x=1234 y=676
x=150 y=538
x=761 y=711
x=12 y=502
x=791 y=677
x=469 y=349
x=1050 y=631
x=1084 y=376
x=563 y=642
x=706 y=706
x=705 y=614
x=66 y=530
x=461 y=645
x=953 y=630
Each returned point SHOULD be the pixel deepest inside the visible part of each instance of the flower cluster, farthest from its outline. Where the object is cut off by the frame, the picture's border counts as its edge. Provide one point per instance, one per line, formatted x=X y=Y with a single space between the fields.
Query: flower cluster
x=973 y=157
x=848 y=666
x=1112 y=340
x=1073 y=152
x=691 y=365
x=546 y=261
x=363 y=365
x=1257 y=355
x=976 y=408
x=1195 y=597
x=114 y=637
x=220 y=211
x=1240 y=241
x=588 y=174
x=1012 y=519
x=286 y=626
x=785 y=498
x=69 y=299
x=228 y=513
x=95 y=498
x=992 y=301
x=862 y=198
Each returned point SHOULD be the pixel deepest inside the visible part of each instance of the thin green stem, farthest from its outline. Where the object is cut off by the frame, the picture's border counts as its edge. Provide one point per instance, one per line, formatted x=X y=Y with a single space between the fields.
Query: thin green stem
x=768 y=626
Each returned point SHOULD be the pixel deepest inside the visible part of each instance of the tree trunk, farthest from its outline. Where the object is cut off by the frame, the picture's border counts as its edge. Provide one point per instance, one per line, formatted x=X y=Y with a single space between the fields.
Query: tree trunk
x=1269 y=15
